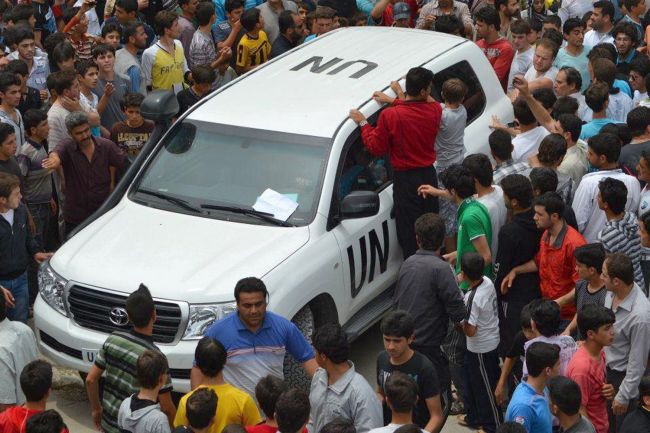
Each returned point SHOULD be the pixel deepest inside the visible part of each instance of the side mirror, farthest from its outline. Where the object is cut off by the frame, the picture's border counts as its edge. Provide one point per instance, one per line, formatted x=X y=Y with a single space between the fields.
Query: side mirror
x=360 y=204
x=160 y=106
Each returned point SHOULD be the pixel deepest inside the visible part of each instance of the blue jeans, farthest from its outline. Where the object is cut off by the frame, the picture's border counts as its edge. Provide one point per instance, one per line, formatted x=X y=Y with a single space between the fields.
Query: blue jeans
x=41 y=215
x=19 y=290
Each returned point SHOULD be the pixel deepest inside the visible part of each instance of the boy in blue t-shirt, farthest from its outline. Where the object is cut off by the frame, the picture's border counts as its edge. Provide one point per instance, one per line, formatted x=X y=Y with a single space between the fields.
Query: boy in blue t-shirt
x=529 y=403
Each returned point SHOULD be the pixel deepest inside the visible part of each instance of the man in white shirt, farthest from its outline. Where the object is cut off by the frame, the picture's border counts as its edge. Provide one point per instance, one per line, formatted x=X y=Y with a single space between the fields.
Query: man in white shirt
x=574 y=9
x=602 y=23
x=527 y=142
x=542 y=72
x=603 y=153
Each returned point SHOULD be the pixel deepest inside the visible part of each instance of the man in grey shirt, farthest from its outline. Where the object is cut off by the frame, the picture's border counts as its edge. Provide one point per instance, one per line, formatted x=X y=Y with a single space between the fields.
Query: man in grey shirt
x=271 y=11
x=337 y=390
x=628 y=354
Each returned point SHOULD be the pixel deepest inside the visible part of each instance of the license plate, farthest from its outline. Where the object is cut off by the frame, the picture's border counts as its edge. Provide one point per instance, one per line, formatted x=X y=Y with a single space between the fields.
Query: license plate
x=89 y=355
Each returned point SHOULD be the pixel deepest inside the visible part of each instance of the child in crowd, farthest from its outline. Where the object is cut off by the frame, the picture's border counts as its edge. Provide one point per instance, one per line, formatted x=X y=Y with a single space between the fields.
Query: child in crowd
x=590 y=288
x=88 y=76
x=254 y=47
x=203 y=77
x=201 y=412
x=482 y=357
x=292 y=411
x=112 y=35
x=140 y=413
x=565 y=405
x=401 y=397
x=588 y=367
x=639 y=419
x=131 y=134
x=267 y=392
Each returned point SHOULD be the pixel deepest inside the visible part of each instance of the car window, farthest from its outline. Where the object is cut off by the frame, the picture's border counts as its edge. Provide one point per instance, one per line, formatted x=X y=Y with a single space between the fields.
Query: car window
x=475 y=100
x=362 y=171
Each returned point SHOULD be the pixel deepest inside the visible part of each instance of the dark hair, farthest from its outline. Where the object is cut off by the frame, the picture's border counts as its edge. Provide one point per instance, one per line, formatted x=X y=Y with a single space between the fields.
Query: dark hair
x=545 y=96
x=286 y=21
x=613 y=192
x=418 y=79
x=592 y=317
x=573 y=77
x=131 y=99
x=18 y=67
x=501 y=144
x=164 y=19
x=525 y=317
x=267 y=391
x=250 y=18
x=489 y=16
x=511 y=427
x=552 y=150
x=586 y=17
x=201 y=407
x=519 y=27
x=604 y=51
x=620 y=130
x=210 y=356
x=8 y=79
x=48 y=421
x=629 y=4
x=110 y=28
x=620 y=266
x=522 y=111
x=543 y=179
x=641 y=65
x=565 y=394
x=591 y=255
x=63 y=81
x=480 y=167
x=460 y=179
x=339 y=425
x=62 y=52
x=572 y=124
x=552 y=203
x=604 y=71
x=518 y=187
x=401 y=391
x=638 y=120
x=82 y=66
x=128 y=5
x=564 y=105
x=540 y=355
x=151 y=364
x=596 y=96
x=5 y=131
x=644 y=388
x=409 y=428
x=140 y=307
x=22 y=12
x=102 y=50
x=472 y=265
x=398 y=324
x=628 y=29
x=8 y=182
x=546 y=315
x=607 y=145
x=250 y=285
x=32 y=118
x=36 y=379
x=449 y=24
x=606 y=7
x=204 y=13
x=203 y=74
x=23 y=33
x=131 y=29
x=69 y=13
x=430 y=231
x=231 y=5
x=571 y=24
x=535 y=24
x=292 y=410
x=330 y=340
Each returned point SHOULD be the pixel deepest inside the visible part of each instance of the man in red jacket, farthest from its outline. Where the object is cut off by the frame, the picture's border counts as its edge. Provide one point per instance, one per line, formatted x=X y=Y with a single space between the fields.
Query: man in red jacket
x=497 y=49
x=407 y=132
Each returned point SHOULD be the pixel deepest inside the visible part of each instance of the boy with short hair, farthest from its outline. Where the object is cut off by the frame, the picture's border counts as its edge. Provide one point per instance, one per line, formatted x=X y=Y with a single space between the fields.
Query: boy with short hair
x=523 y=59
x=639 y=419
x=201 y=412
x=140 y=412
x=76 y=30
x=254 y=47
x=10 y=94
x=112 y=35
x=203 y=77
x=132 y=133
x=588 y=366
x=565 y=405
x=292 y=411
x=235 y=406
x=481 y=327
x=267 y=392
x=88 y=77
x=401 y=397
x=110 y=84
x=574 y=54
x=30 y=97
x=597 y=99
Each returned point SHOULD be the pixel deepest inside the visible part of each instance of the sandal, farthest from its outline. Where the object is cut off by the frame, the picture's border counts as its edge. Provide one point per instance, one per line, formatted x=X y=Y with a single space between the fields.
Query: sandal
x=462 y=421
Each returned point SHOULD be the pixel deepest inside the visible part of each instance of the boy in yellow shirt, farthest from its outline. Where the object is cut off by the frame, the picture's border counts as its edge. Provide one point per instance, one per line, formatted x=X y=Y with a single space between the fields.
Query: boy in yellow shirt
x=254 y=47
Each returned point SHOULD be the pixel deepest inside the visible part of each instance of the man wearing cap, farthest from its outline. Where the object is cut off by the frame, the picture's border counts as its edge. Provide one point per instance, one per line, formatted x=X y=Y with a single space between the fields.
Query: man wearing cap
x=401 y=15
x=407 y=131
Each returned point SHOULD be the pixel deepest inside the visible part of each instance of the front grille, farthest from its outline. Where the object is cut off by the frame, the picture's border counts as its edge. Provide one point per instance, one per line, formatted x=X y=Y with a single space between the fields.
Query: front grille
x=60 y=347
x=91 y=308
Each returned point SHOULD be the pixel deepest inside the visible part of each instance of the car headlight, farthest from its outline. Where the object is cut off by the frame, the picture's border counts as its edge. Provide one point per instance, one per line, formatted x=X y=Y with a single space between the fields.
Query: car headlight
x=204 y=315
x=51 y=287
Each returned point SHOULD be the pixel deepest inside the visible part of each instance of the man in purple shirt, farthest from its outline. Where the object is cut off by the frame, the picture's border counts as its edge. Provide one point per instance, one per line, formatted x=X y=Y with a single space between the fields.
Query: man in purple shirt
x=89 y=167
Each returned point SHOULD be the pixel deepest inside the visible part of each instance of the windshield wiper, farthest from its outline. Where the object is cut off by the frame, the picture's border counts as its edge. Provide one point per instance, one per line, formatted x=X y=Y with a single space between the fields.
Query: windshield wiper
x=248 y=211
x=171 y=199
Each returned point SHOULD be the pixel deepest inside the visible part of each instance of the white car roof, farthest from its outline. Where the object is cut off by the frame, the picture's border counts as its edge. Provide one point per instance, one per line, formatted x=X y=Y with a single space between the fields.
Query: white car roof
x=276 y=98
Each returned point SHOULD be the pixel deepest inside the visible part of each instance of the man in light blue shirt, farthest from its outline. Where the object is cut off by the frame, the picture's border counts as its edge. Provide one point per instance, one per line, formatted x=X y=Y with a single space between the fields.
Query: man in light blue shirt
x=529 y=403
x=596 y=98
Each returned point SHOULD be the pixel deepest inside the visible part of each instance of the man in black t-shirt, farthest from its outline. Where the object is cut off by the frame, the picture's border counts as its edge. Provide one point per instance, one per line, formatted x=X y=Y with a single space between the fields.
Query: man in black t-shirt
x=398 y=333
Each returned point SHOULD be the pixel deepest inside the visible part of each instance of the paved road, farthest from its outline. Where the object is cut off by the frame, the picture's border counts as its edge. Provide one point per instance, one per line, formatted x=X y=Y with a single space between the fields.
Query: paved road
x=69 y=397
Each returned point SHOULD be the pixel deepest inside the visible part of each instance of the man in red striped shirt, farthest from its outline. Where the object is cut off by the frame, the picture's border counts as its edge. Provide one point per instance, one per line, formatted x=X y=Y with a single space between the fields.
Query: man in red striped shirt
x=406 y=131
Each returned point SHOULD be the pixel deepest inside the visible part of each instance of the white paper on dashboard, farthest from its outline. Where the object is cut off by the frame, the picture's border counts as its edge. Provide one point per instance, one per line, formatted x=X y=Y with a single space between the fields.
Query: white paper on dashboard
x=278 y=205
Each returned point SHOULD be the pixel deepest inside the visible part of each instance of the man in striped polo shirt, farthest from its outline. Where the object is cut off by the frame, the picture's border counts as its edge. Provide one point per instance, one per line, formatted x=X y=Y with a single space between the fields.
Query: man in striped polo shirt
x=117 y=361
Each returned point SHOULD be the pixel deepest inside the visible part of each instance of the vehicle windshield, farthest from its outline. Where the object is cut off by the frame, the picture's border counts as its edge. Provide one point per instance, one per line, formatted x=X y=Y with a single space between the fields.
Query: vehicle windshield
x=207 y=167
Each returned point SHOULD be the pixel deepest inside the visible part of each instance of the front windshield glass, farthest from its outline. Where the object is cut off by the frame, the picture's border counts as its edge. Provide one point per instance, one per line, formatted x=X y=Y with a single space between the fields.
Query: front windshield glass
x=210 y=164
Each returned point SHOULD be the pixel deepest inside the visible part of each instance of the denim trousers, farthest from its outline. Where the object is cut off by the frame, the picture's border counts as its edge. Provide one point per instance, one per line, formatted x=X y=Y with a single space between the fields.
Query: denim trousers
x=19 y=290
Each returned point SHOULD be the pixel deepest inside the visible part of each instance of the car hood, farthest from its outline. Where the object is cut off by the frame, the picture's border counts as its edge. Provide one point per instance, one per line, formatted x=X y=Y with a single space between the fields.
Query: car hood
x=179 y=257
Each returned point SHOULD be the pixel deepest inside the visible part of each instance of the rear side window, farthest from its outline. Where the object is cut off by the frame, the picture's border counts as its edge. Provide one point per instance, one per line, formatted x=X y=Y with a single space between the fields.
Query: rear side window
x=475 y=100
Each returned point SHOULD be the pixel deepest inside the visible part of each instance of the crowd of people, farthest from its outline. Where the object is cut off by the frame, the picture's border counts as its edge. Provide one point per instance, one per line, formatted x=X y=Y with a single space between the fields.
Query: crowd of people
x=525 y=282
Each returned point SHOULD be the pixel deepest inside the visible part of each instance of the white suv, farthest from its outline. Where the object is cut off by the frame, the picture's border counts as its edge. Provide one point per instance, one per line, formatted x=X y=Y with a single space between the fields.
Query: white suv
x=181 y=221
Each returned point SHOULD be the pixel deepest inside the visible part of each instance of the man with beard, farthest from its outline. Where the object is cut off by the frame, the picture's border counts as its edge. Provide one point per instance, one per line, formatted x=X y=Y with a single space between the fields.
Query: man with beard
x=508 y=9
x=291 y=30
x=602 y=22
x=437 y=8
x=126 y=59
x=497 y=49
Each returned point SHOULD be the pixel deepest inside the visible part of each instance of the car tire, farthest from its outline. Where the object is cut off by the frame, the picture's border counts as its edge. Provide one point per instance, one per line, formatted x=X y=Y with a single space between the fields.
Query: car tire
x=294 y=374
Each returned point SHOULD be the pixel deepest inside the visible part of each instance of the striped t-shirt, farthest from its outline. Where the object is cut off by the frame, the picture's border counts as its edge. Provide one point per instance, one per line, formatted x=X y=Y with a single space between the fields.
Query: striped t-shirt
x=118 y=357
x=622 y=236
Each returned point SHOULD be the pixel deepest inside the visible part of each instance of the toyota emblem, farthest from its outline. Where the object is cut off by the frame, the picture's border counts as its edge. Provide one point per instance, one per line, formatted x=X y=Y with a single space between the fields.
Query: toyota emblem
x=118 y=316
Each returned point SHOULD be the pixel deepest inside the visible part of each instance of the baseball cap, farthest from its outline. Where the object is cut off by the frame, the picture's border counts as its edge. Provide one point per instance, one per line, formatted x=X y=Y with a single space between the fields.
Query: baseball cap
x=401 y=11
